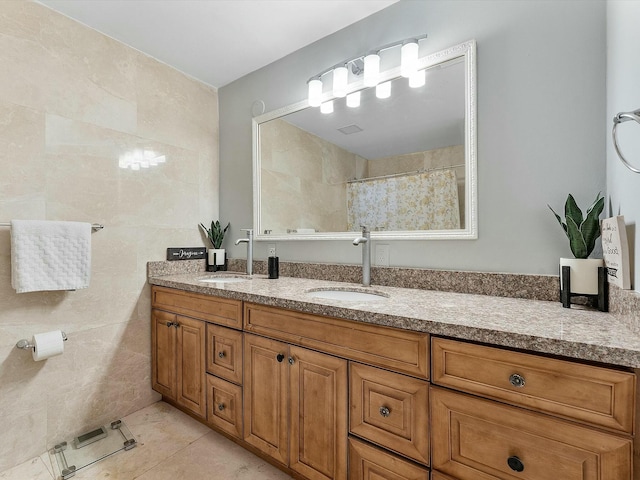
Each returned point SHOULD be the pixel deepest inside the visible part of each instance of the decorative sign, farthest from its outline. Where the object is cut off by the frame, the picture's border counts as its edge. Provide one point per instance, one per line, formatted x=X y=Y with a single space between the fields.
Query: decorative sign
x=186 y=253
x=615 y=250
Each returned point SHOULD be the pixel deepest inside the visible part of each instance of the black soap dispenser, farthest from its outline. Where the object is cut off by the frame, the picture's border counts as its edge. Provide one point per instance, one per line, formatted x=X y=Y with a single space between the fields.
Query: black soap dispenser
x=273 y=264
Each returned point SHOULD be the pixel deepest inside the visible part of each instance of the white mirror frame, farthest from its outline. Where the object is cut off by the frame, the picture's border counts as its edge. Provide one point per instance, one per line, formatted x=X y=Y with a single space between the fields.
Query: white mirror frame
x=470 y=232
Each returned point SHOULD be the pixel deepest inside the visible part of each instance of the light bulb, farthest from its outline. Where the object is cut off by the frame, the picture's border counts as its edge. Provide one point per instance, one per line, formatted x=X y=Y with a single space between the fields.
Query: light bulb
x=383 y=90
x=371 y=70
x=408 y=58
x=353 y=100
x=340 y=80
x=417 y=79
x=327 y=107
x=315 y=92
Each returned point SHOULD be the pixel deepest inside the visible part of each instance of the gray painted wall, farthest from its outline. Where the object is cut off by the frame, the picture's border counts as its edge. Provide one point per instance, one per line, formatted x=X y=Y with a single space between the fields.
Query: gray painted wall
x=541 y=128
x=623 y=95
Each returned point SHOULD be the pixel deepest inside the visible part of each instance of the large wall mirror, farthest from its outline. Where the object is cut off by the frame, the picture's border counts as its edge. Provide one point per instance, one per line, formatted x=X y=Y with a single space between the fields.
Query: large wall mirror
x=405 y=165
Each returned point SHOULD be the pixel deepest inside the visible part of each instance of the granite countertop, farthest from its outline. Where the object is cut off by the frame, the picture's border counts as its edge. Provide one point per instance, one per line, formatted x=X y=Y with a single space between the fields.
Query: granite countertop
x=538 y=326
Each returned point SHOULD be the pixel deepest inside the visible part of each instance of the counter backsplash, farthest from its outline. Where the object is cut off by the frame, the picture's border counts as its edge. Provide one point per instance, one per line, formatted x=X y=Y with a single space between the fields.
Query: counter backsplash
x=625 y=304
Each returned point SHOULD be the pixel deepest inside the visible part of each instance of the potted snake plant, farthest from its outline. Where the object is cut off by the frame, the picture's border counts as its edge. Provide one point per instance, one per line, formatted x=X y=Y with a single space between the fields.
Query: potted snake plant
x=217 y=257
x=582 y=232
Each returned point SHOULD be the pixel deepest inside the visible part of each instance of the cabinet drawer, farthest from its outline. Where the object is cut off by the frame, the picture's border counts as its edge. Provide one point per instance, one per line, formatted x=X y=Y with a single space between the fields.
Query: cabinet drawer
x=367 y=462
x=212 y=309
x=477 y=439
x=224 y=353
x=224 y=405
x=586 y=393
x=400 y=350
x=390 y=410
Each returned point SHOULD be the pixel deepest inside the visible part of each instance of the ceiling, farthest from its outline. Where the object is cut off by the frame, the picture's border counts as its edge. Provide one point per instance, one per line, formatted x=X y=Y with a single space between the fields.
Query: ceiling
x=217 y=41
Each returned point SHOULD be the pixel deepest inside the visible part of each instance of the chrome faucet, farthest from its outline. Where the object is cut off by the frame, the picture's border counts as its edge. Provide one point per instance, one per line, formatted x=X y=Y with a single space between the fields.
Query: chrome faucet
x=249 y=242
x=365 y=239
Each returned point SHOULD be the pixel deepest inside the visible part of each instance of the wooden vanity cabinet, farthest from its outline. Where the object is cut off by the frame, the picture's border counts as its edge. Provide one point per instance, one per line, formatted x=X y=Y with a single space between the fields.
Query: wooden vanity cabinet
x=178 y=360
x=178 y=344
x=295 y=407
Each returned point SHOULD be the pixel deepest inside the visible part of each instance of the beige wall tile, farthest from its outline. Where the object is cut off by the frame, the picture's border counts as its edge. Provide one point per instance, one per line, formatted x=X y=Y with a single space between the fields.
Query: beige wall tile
x=71 y=102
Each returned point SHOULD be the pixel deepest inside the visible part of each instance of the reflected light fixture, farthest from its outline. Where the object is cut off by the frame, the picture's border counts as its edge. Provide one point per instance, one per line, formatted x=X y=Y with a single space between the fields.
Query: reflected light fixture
x=417 y=79
x=353 y=100
x=138 y=158
x=383 y=90
x=366 y=67
x=327 y=107
x=409 y=58
x=340 y=81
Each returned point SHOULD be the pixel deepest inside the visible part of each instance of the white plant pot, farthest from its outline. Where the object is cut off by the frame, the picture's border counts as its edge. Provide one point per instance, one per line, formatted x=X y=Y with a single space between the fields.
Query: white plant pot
x=584 y=274
x=216 y=256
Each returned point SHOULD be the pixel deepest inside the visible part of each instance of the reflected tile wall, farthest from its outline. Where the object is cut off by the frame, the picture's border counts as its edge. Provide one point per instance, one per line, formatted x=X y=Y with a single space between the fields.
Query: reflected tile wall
x=307 y=174
x=71 y=102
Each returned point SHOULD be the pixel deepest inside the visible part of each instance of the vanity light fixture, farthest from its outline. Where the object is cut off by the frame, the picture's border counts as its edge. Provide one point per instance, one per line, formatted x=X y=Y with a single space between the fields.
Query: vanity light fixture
x=315 y=92
x=409 y=58
x=371 y=69
x=368 y=66
x=340 y=81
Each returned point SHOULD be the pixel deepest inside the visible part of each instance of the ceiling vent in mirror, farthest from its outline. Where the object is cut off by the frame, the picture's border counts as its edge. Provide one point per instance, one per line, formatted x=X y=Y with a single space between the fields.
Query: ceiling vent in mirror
x=349 y=129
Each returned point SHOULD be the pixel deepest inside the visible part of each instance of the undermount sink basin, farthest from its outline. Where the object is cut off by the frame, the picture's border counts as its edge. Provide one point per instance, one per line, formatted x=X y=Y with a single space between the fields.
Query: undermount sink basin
x=352 y=295
x=224 y=279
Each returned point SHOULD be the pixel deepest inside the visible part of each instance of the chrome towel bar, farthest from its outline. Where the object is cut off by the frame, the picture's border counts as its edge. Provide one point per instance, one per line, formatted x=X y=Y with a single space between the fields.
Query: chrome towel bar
x=618 y=119
x=94 y=226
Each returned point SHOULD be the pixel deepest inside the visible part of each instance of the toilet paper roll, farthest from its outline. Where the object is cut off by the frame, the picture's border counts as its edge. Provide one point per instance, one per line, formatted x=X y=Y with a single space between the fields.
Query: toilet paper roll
x=47 y=345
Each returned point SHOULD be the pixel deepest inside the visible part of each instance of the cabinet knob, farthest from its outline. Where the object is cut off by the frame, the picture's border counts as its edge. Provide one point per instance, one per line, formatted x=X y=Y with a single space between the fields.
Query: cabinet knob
x=221 y=406
x=385 y=412
x=221 y=354
x=516 y=380
x=169 y=324
x=291 y=361
x=515 y=464
x=280 y=357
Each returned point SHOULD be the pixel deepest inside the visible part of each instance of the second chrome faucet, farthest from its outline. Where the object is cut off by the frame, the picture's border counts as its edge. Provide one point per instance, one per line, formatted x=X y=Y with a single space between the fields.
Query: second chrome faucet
x=365 y=240
x=249 y=242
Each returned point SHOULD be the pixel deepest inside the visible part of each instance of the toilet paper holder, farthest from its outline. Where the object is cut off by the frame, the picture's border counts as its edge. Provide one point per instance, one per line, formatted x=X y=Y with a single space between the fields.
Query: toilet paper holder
x=25 y=345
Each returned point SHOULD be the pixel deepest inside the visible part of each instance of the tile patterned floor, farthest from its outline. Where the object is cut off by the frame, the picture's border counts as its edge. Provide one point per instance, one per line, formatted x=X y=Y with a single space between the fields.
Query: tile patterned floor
x=171 y=445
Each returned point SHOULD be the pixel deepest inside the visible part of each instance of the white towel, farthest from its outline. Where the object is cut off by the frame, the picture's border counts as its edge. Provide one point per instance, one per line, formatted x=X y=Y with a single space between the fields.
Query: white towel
x=50 y=255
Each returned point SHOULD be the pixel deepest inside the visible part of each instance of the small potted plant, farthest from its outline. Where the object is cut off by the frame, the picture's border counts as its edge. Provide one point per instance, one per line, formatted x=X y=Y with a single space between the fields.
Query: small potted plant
x=582 y=231
x=217 y=258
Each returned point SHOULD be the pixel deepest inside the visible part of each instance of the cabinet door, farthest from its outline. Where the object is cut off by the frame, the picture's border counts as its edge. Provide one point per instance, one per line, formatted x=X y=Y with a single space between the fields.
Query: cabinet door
x=190 y=365
x=318 y=395
x=163 y=353
x=265 y=396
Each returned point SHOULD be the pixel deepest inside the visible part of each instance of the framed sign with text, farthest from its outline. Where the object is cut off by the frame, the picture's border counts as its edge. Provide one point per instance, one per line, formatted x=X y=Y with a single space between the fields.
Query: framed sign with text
x=615 y=251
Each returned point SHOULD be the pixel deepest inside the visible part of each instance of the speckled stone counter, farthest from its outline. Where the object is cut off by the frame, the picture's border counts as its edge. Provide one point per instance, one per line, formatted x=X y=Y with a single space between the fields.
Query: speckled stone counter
x=533 y=325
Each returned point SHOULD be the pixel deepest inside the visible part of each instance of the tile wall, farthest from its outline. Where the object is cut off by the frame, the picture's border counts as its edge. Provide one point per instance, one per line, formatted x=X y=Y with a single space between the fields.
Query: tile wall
x=72 y=102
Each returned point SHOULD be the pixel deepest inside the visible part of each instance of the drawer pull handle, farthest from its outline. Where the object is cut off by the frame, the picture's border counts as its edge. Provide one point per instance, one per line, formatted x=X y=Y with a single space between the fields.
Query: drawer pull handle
x=385 y=412
x=515 y=464
x=280 y=357
x=221 y=406
x=221 y=354
x=516 y=380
